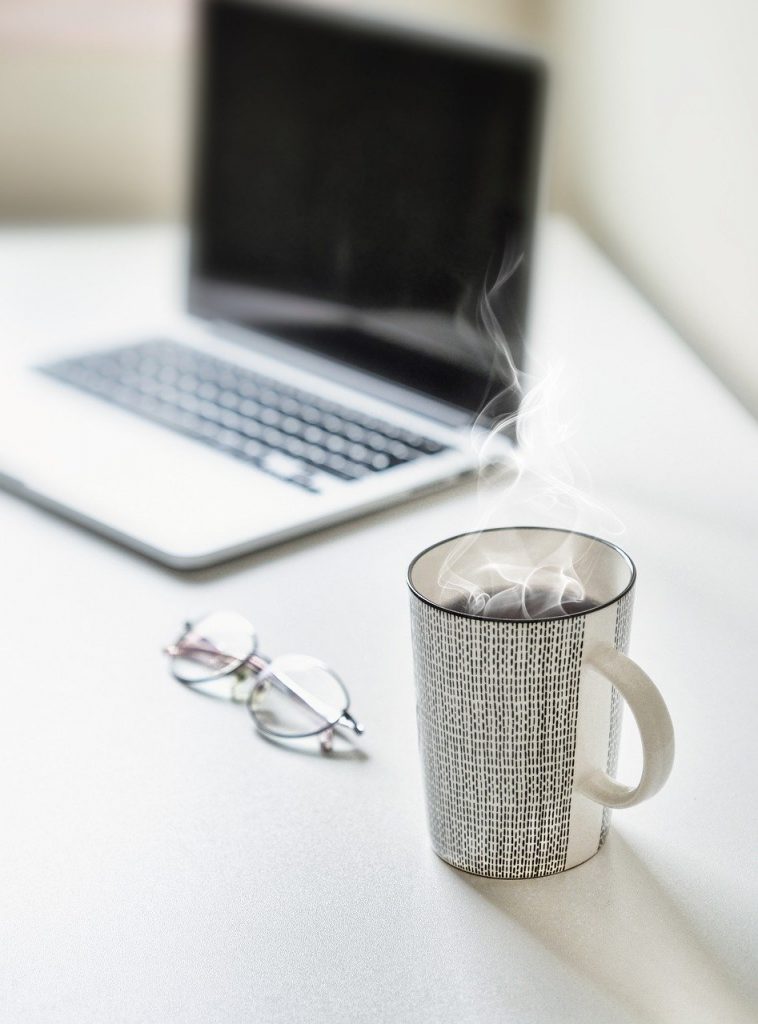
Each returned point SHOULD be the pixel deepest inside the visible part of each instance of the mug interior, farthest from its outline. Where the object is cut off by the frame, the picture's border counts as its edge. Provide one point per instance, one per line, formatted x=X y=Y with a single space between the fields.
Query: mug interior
x=604 y=571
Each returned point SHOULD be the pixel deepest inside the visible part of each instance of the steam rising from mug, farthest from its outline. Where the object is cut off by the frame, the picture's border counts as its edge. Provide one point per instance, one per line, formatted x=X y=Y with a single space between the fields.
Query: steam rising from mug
x=528 y=474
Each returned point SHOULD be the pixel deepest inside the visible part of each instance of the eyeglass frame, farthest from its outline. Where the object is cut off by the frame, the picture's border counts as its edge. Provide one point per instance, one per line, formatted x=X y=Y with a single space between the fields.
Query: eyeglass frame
x=255 y=665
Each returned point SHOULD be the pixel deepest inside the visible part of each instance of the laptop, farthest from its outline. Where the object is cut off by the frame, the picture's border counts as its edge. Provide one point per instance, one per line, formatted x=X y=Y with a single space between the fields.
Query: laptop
x=355 y=186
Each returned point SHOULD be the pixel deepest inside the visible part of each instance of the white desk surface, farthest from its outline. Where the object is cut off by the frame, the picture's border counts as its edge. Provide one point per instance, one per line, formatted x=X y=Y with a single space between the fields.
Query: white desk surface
x=162 y=863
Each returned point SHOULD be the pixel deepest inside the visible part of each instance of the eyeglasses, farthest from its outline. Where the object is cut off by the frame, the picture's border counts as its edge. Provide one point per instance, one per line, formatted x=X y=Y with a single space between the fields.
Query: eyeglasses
x=290 y=697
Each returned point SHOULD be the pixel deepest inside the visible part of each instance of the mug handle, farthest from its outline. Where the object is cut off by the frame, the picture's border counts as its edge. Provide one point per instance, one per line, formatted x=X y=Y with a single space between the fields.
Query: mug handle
x=654 y=724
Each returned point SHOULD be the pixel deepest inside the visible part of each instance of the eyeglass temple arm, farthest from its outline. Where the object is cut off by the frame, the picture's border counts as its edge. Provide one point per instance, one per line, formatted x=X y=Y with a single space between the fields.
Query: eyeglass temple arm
x=198 y=646
x=202 y=646
x=347 y=719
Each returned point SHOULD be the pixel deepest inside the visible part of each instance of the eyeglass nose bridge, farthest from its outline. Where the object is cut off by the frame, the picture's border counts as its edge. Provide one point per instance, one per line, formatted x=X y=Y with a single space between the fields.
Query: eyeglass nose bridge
x=245 y=677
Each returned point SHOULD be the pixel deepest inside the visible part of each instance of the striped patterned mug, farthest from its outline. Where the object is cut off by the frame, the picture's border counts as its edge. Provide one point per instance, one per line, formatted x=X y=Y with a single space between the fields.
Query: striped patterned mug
x=519 y=716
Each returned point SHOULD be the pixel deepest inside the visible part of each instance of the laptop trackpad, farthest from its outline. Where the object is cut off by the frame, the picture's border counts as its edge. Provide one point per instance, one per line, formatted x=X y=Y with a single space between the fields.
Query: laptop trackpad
x=138 y=479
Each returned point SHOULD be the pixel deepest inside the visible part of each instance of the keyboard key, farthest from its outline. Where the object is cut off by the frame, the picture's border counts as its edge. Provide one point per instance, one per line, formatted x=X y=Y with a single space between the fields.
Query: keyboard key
x=289 y=407
x=269 y=416
x=315 y=435
x=189 y=403
x=248 y=388
x=229 y=399
x=295 y=446
x=209 y=410
x=340 y=465
x=332 y=424
x=431 y=447
x=290 y=425
x=377 y=441
x=252 y=429
x=249 y=409
x=338 y=444
x=253 y=450
x=355 y=432
x=400 y=452
x=358 y=453
x=232 y=420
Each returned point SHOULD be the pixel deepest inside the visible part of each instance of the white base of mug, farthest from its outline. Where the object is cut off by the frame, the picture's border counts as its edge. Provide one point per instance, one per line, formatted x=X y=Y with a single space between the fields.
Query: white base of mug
x=516 y=878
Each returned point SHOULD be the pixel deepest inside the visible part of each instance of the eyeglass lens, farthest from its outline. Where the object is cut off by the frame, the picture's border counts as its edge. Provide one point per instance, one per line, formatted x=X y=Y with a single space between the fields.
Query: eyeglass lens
x=213 y=647
x=297 y=696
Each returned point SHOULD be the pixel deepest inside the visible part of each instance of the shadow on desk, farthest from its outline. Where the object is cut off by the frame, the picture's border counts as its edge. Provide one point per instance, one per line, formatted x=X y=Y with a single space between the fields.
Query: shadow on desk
x=611 y=921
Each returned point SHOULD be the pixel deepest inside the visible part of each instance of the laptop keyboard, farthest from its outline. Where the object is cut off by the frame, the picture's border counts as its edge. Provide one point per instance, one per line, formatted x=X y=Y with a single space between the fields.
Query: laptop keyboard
x=289 y=433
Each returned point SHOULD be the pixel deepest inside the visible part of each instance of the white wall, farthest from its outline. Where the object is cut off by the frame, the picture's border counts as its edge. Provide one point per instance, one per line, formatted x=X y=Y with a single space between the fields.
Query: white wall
x=658 y=158
x=91 y=108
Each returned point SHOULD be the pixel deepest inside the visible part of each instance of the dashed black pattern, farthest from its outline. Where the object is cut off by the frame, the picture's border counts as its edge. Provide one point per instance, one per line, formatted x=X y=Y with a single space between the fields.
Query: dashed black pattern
x=497 y=714
x=621 y=642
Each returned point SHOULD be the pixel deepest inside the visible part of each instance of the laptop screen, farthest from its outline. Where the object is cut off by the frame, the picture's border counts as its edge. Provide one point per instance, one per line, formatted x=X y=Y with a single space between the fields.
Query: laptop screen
x=357 y=186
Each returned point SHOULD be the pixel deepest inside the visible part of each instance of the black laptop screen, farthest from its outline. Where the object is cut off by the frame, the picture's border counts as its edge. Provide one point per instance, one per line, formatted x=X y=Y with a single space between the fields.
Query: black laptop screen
x=356 y=186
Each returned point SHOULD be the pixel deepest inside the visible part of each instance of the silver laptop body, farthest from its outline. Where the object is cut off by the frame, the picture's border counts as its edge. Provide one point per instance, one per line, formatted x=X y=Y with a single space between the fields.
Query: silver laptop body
x=327 y=366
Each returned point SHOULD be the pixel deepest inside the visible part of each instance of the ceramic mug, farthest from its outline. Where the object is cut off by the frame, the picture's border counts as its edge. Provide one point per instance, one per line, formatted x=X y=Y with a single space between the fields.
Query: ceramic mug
x=519 y=721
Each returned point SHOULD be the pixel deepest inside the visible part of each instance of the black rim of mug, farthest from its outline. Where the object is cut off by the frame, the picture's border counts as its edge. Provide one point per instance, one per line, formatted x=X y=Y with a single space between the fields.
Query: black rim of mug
x=523 y=622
